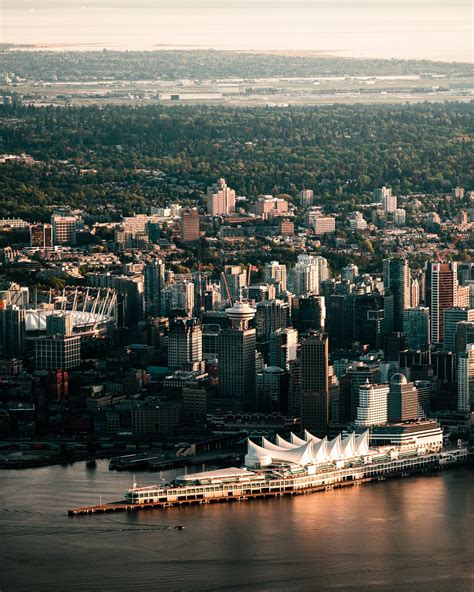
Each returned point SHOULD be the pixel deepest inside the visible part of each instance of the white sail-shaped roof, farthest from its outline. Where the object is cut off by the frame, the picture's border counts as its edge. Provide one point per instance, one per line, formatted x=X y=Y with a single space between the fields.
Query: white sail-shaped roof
x=309 y=453
x=263 y=457
x=320 y=451
x=270 y=446
x=310 y=438
x=284 y=444
x=334 y=449
x=362 y=444
x=348 y=447
x=257 y=456
x=296 y=440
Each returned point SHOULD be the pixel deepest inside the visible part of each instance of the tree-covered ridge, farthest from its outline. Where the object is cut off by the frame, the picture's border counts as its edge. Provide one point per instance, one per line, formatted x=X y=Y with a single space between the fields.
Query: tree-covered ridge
x=205 y=64
x=342 y=152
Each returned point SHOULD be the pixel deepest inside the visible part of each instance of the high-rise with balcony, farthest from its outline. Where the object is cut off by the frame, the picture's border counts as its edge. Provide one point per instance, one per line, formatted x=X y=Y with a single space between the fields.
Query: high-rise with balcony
x=185 y=344
x=441 y=293
x=373 y=405
x=275 y=273
x=64 y=229
x=309 y=272
x=154 y=280
x=220 y=199
x=189 y=225
x=466 y=379
x=283 y=347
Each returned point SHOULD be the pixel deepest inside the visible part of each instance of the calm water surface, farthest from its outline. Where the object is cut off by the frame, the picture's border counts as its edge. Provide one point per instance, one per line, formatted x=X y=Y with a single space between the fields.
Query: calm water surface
x=425 y=29
x=414 y=534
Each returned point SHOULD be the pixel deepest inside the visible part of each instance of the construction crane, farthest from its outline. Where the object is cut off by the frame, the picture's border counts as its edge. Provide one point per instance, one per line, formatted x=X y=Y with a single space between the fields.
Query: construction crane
x=224 y=279
x=441 y=256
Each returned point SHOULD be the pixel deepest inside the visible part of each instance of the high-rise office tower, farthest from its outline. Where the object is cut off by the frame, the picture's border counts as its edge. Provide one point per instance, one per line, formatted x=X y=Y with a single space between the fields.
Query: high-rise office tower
x=349 y=272
x=306 y=197
x=220 y=199
x=283 y=347
x=314 y=360
x=373 y=405
x=189 y=225
x=340 y=326
x=270 y=316
x=381 y=192
x=393 y=344
x=237 y=355
x=441 y=293
x=178 y=295
x=12 y=331
x=64 y=229
x=416 y=326
x=275 y=273
x=389 y=204
x=424 y=388
x=402 y=399
x=466 y=379
x=310 y=314
x=464 y=336
x=57 y=352
x=373 y=318
x=272 y=390
x=59 y=323
x=41 y=235
x=396 y=280
x=415 y=293
x=451 y=317
x=185 y=344
x=399 y=217
x=360 y=373
x=154 y=280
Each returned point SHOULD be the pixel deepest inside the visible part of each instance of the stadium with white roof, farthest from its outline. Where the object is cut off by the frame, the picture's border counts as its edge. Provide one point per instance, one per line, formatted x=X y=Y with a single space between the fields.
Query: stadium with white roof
x=91 y=312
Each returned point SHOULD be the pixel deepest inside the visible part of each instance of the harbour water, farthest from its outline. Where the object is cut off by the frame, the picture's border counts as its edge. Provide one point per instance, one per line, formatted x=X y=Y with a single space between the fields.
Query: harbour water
x=408 y=534
x=421 y=29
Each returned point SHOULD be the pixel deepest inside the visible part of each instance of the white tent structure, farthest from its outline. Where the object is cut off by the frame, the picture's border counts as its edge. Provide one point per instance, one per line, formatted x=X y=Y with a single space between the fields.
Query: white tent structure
x=298 y=441
x=310 y=438
x=309 y=453
x=270 y=446
x=257 y=456
x=334 y=449
x=284 y=444
x=362 y=443
x=320 y=451
x=348 y=448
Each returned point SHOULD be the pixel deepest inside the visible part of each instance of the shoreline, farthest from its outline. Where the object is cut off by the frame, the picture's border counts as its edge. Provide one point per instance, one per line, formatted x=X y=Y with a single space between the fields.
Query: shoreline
x=290 y=53
x=401 y=473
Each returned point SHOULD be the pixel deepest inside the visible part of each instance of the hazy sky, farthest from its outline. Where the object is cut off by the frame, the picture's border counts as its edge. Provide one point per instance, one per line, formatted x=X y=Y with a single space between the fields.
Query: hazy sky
x=219 y=5
x=426 y=29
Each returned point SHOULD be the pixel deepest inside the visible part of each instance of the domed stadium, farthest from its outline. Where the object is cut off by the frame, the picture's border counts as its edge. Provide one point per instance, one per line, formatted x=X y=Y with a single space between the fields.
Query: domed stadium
x=82 y=321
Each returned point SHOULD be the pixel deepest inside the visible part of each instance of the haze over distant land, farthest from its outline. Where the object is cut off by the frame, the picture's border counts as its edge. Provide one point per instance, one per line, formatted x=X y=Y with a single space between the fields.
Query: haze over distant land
x=418 y=29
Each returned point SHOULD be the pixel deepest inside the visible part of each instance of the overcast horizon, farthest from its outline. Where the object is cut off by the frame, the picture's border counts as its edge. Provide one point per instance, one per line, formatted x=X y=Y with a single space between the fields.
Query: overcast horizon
x=423 y=29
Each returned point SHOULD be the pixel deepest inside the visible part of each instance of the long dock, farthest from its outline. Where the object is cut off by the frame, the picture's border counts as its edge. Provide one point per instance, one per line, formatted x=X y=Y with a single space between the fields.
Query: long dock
x=127 y=507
